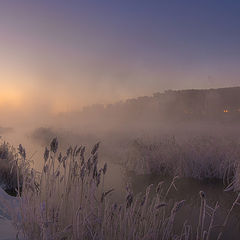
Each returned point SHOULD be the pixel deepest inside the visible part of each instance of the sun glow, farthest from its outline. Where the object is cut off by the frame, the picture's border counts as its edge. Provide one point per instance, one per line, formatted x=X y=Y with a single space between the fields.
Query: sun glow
x=10 y=97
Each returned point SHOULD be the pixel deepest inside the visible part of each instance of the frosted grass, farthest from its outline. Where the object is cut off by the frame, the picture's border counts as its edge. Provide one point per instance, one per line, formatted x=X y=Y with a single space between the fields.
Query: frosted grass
x=68 y=200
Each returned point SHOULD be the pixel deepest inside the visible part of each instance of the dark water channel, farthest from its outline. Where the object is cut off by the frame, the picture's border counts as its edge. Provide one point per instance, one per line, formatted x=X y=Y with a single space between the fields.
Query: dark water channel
x=188 y=189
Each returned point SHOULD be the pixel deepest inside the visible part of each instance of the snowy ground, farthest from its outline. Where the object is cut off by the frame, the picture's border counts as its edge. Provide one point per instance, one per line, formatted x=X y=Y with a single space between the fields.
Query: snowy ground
x=7 y=231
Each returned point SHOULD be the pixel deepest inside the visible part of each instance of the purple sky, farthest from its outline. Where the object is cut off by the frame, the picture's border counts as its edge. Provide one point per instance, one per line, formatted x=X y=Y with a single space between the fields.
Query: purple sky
x=63 y=55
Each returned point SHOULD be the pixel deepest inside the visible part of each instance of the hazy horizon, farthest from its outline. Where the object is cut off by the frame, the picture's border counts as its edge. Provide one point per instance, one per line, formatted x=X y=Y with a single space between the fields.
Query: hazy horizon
x=95 y=132
x=60 y=56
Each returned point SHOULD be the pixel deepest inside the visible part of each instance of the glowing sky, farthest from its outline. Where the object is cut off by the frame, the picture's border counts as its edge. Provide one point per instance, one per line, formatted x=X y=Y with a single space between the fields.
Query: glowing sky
x=63 y=54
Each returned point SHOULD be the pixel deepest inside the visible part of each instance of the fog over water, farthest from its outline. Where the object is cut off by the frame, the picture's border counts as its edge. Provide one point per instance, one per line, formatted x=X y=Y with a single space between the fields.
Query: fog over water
x=118 y=125
x=155 y=82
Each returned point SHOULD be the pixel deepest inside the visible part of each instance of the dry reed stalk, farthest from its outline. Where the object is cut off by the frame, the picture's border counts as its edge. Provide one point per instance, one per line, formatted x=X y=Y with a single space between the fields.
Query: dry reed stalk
x=202 y=213
x=236 y=202
x=69 y=203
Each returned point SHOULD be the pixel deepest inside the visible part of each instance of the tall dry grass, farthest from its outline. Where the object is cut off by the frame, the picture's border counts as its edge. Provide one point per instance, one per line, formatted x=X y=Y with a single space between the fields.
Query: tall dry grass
x=204 y=157
x=68 y=200
x=8 y=170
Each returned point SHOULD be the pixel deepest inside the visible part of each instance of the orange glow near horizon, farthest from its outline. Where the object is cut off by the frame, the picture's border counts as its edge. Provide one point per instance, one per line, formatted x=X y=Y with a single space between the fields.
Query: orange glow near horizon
x=10 y=97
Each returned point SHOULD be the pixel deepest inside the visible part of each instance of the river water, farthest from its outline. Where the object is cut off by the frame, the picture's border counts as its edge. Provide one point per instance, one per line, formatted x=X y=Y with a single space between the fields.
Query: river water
x=187 y=189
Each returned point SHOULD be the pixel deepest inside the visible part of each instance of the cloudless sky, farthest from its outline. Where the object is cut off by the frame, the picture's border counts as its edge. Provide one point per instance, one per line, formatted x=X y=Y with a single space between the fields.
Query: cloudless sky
x=64 y=54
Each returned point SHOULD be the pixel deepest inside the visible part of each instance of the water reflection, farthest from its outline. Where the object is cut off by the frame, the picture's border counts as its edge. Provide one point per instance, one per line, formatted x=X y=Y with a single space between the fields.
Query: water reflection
x=188 y=189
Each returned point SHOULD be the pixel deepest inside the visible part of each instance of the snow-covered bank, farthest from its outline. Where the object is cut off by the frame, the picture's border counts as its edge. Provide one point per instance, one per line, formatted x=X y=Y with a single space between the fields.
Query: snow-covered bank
x=7 y=230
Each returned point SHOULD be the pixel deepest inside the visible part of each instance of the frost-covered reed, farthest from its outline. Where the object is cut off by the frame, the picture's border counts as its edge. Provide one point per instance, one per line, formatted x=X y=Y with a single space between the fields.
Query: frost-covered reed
x=68 y=200
x=204 y=157
x=8 y=170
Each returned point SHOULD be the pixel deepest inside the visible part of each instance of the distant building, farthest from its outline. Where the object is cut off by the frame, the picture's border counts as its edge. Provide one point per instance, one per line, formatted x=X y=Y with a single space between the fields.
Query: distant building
x=210 y=104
